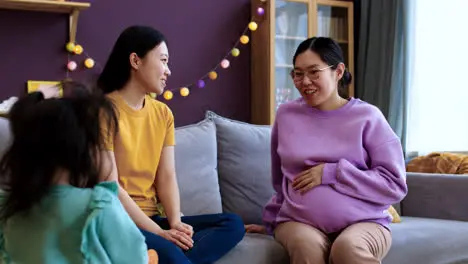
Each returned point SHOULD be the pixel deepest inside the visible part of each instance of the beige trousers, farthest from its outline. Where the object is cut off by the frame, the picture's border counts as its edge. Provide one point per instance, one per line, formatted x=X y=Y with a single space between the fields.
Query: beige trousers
x=362 y=243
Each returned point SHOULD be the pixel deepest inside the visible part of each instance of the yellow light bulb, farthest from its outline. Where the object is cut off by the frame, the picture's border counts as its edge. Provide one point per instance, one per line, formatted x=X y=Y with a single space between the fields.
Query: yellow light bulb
x=78 y=49
x=253 y=26
x=70 y=47
x=213 y=75
x=235 y=52
x=168 y=95
x=244 y=39
x=89 y=63
x=184 y=91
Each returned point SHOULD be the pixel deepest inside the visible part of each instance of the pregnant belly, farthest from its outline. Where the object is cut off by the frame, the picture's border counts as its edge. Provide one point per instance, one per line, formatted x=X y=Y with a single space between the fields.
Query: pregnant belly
x=326 y=209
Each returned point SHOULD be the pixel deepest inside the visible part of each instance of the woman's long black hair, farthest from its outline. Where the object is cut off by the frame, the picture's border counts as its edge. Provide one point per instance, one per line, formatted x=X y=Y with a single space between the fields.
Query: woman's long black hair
x=134 y=39
x=51 y=135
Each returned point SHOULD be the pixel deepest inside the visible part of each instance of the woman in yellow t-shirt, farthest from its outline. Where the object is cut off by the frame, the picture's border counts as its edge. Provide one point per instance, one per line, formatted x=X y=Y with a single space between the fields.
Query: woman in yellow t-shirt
x=143 y=151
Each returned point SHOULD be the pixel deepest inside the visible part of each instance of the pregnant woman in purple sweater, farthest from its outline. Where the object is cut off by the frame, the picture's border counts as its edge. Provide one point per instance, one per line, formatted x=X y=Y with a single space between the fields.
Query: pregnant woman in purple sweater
x=337 y=166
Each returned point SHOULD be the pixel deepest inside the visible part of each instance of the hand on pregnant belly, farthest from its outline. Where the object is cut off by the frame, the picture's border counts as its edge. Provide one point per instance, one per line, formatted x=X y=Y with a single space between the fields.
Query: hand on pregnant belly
x=308 y=179
x=322 y=207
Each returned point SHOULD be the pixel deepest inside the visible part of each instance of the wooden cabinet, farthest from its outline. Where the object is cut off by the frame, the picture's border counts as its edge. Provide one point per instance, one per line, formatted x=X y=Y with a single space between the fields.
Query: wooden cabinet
x=286 y=23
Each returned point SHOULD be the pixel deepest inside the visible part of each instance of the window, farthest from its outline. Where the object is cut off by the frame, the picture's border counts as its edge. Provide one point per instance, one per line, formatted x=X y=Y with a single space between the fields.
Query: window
x=438 y=94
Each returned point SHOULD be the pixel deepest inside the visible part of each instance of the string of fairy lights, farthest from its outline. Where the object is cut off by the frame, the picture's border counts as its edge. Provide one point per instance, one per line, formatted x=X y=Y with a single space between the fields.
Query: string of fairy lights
x=88 y=63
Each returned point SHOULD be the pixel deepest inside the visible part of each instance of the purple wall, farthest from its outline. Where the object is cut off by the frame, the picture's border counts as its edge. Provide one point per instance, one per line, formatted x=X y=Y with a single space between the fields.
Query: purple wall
x=199 y=34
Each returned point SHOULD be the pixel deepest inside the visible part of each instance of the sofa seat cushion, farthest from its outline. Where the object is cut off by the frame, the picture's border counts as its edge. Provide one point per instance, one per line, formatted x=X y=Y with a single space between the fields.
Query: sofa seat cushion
x=256 y=248
x=428 y=241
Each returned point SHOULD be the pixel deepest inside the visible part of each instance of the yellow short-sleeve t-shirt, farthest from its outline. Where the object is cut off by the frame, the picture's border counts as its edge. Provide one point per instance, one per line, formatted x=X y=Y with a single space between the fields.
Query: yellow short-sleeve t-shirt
x=141 y=137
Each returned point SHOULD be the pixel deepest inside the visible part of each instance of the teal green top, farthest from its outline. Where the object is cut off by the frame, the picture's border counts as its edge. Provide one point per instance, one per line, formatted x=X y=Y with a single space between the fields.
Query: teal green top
x=74 y=225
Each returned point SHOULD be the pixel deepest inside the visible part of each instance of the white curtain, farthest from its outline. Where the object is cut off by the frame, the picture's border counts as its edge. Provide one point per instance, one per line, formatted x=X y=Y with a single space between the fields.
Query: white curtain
x=438 y=94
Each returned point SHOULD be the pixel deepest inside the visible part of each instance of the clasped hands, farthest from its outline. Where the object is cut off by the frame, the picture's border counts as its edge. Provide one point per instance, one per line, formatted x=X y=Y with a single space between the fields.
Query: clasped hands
x=179 y=234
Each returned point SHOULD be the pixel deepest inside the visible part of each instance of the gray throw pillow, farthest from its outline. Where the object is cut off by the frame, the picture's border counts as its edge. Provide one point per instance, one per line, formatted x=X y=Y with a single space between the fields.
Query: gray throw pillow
x=195 y=157
x=243 y=167
x=5 y=135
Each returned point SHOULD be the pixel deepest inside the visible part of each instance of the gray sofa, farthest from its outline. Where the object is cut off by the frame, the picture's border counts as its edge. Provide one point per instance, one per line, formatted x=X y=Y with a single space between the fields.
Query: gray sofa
x=224 y=165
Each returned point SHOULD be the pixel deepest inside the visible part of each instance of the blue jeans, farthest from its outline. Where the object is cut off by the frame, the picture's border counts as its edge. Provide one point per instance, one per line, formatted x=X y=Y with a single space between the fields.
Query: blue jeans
x=214 y=236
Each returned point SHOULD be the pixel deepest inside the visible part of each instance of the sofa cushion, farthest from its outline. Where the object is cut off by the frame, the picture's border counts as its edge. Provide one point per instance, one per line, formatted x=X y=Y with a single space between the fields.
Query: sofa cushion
x=195 y=157
x=428 y=241
x=5 y=135
x=256 y=248
x=243 y=167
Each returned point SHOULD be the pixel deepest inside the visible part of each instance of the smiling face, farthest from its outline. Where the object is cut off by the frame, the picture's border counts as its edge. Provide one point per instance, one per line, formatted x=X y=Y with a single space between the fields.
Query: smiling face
x=316 y=81
x=152 y=70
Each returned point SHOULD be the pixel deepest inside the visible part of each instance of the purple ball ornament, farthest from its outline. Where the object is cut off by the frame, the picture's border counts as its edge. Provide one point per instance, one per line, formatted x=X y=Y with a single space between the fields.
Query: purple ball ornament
x=260 y=11
x=201 y=84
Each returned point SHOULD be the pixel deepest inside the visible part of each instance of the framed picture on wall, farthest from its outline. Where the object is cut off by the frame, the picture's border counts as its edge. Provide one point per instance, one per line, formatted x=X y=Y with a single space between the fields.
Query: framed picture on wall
x=33 y=86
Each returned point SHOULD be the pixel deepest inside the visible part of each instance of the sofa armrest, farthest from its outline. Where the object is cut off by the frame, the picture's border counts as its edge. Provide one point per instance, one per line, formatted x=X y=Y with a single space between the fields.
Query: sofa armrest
x=441 y=196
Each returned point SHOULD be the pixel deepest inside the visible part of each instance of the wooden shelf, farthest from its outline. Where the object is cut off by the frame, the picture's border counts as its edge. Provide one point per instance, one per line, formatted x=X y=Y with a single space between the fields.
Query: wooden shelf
x=335 y=3
x=290 y=37
x=281 y=65
x=51 y=6
x=285 y=37
x=44 y=5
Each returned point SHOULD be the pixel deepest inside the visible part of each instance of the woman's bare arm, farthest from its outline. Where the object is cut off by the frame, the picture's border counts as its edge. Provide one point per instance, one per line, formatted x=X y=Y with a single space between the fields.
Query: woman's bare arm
x=137 y=215
x=167 y=187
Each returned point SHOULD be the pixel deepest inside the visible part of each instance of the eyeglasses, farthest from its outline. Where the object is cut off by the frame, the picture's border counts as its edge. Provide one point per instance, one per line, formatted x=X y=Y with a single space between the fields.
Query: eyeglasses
x=313 y=75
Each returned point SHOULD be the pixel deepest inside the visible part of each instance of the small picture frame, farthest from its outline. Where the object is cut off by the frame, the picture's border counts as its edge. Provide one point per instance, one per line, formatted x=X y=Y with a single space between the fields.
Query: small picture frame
x=33 y=85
